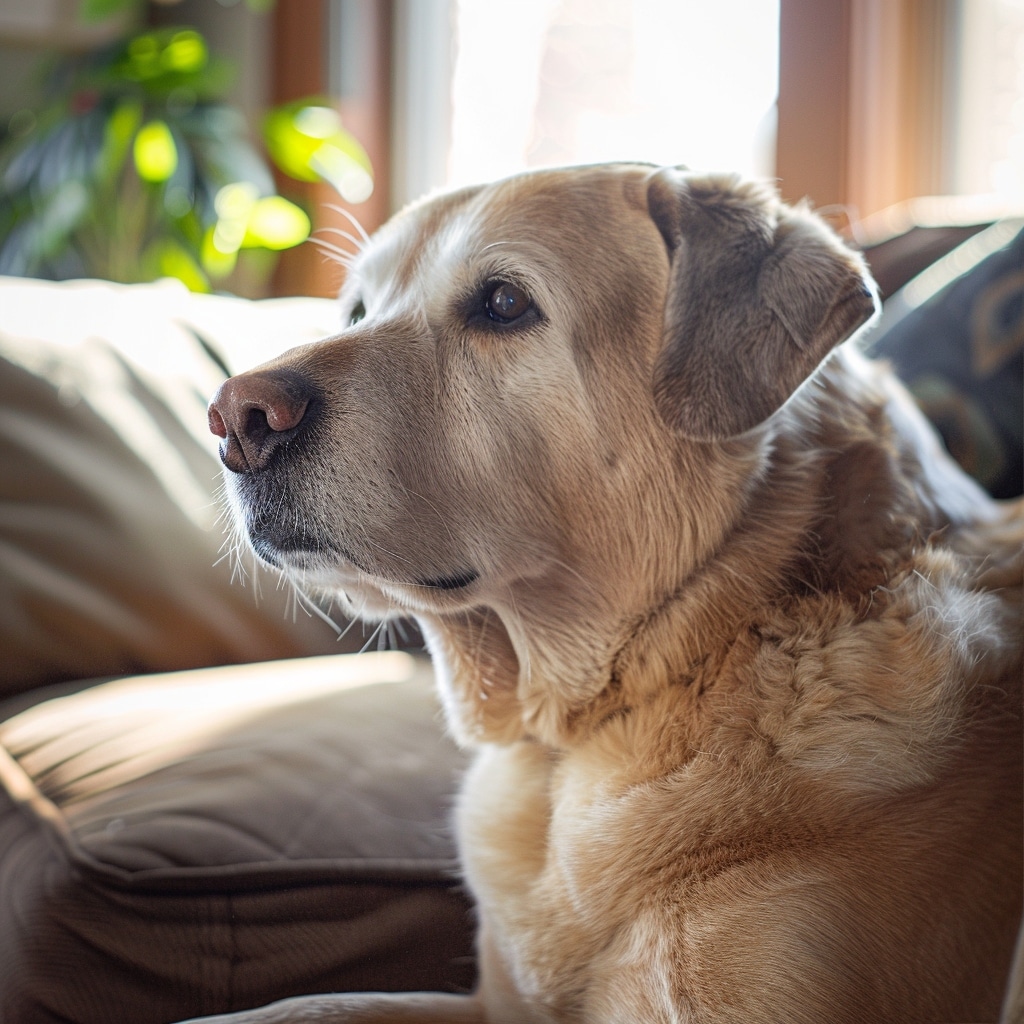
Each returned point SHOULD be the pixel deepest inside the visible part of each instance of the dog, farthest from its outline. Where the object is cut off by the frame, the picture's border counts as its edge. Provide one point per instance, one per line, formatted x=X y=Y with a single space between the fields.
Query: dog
x=737 y=645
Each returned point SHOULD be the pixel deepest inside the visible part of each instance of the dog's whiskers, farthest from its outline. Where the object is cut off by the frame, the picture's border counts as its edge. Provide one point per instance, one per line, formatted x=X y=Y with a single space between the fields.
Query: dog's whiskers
x=334 y=252
x=347 y=235
x=353 y=220
x=339 y=253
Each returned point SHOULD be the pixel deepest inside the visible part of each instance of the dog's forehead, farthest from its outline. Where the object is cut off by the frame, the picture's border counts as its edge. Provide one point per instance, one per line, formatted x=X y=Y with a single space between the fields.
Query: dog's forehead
x=556 y=212
x=549 y=202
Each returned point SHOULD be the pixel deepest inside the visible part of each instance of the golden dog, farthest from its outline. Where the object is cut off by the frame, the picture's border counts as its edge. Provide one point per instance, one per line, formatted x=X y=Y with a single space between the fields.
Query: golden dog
x=738 y=646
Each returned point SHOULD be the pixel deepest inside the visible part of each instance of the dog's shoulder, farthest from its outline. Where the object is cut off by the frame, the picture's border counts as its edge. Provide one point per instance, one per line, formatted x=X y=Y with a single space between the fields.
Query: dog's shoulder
x=883 y=640
x=885 y=485
x=859 y=695
x=876 y=693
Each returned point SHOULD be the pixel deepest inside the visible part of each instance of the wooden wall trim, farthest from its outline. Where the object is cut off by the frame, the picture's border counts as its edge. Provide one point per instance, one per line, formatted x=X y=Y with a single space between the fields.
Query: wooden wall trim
x=897 y=68
x=301 y=68
x=861 y=90
x=814 y=80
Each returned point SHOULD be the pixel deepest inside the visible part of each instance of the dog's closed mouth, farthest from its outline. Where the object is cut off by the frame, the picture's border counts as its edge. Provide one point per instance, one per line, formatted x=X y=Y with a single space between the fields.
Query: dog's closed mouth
x=457 y=581
x=282 y=550
x=282 y=553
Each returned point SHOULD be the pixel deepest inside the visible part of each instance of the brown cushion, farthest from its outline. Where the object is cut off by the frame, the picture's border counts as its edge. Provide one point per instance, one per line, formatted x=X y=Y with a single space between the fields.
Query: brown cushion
x=110 y=544
x=198 y=842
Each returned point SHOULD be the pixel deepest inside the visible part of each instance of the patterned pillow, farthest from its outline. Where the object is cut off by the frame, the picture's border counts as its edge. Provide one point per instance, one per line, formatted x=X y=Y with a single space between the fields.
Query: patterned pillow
x=955 y=334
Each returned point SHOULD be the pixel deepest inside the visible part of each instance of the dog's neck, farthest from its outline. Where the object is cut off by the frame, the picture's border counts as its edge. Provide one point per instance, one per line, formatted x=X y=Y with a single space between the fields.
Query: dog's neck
x=508 y=674
x=696 y=619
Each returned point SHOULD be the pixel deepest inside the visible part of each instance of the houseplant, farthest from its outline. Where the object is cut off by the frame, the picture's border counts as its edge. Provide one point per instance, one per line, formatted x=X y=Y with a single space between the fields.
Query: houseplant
x=136 y=168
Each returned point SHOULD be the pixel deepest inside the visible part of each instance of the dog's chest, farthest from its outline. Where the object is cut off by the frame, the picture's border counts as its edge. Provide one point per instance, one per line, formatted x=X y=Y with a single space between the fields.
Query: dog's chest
x=611 y=876
x=572 y=896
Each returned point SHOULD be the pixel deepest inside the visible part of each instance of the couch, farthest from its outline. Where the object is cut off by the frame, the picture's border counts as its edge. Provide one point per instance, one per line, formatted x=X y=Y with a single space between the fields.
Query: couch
x=209 y=799
x=204 y=803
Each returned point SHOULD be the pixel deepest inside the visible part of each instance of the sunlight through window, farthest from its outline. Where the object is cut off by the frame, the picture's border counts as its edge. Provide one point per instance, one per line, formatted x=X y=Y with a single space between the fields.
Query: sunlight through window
x=555 y=82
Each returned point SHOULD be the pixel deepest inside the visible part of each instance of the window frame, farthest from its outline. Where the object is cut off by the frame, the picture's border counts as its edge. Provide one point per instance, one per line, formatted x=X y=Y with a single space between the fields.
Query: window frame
x=863 y=110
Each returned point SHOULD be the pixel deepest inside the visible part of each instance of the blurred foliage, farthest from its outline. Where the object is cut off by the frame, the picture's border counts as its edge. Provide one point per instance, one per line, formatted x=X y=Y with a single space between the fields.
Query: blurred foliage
x=306 y=140
x=135 y=168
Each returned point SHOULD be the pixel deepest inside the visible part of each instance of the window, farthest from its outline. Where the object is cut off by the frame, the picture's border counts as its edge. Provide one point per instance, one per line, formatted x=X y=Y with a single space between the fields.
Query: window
x=854 y=103
x=550 y=82
x=987 y=108
x=885 y=100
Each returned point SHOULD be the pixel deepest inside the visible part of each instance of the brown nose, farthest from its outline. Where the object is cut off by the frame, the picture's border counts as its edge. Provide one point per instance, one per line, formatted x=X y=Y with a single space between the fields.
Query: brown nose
x=255 y=413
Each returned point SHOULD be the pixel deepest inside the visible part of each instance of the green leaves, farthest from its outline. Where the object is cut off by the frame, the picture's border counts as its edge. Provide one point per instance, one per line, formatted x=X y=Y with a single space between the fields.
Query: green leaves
x=179 y=53
x=100 y=10
x=246 y=220
x=306 y=140
x=156 y=155
x=136 y=169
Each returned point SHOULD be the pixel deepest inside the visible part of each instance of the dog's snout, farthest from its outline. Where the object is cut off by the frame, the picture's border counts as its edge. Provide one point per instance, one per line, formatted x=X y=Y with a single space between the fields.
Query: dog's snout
x=255 y=413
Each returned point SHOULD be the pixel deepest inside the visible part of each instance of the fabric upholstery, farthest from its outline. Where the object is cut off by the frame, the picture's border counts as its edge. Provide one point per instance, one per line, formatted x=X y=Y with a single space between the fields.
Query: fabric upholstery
x=956 y=337
x=110 y=539
x=199 y=842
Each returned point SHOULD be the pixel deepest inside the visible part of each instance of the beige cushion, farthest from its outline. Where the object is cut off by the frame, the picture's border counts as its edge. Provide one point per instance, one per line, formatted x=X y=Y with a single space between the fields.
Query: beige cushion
x=110 y=540
x=197 y=842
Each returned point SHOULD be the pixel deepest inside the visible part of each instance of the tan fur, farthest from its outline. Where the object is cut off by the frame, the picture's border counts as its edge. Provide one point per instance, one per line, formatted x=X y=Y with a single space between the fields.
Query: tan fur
x=742 y=654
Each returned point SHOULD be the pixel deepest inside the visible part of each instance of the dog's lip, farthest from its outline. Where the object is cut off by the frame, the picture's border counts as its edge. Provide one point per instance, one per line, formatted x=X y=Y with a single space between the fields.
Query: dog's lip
x=289 y=554
x=456 y=581
x=284 y=552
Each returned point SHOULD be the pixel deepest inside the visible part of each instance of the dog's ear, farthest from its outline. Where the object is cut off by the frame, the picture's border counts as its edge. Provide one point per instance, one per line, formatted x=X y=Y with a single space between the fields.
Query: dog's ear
x=759 y=294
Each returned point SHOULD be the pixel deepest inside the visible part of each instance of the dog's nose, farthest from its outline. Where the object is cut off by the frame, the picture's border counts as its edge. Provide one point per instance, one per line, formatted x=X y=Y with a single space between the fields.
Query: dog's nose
x=255 y=413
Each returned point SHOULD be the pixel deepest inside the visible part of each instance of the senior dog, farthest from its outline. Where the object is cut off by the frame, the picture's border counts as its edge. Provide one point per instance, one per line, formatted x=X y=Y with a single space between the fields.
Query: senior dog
x=736 y=643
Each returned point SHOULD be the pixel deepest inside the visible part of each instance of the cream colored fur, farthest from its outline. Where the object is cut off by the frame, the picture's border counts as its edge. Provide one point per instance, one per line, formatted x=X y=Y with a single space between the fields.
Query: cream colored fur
x=737 y=645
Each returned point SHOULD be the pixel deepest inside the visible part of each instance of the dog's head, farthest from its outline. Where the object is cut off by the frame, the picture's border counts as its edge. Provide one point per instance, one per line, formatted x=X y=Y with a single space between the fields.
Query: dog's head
x=543 y=412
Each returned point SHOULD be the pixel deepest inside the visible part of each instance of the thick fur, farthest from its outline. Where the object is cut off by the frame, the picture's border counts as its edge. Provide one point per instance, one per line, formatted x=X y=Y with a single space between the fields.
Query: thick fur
x=737 y=644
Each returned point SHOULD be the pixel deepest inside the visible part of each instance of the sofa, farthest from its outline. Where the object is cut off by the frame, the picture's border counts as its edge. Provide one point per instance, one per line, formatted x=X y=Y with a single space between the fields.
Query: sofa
x=213 y=791
x=208 y=798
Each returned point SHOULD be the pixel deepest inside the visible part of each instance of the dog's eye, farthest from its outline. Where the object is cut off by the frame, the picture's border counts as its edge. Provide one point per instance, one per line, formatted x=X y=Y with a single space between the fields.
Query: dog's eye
x=507 y=302
x=357 y=314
